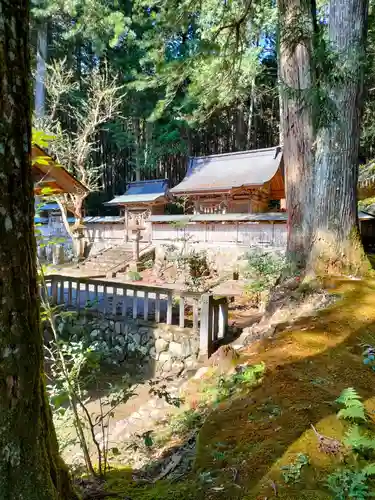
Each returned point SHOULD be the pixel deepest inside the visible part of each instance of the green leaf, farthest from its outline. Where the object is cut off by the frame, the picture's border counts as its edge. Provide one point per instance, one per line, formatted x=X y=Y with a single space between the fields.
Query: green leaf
x=348 y=397
x=352 y=413
x=369 y=470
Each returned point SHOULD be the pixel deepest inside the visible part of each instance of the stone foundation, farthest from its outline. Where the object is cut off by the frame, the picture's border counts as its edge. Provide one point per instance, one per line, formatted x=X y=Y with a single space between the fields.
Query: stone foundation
x=149 y=347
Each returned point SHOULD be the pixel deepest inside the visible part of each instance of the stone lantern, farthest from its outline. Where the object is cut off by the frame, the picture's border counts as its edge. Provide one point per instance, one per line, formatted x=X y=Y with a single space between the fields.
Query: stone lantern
x=136 y=237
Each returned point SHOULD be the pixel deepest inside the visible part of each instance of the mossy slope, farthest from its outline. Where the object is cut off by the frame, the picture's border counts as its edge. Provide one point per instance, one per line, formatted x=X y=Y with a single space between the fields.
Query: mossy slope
x=246 y=440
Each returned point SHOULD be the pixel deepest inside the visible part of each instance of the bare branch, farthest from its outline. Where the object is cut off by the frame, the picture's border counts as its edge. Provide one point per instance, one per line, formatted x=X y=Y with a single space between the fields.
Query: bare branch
x=100 y=105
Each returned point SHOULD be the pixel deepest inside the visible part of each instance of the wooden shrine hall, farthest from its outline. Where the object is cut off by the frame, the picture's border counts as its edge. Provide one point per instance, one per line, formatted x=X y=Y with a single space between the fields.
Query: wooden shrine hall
x=244 y=182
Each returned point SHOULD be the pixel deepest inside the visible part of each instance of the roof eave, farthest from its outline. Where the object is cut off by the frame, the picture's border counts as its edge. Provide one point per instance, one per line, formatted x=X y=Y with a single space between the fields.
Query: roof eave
x=214 y=190
x=113 y=202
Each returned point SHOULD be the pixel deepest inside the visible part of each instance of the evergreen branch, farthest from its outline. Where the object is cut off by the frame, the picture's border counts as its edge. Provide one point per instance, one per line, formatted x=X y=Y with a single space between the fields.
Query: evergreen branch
x=237 y=23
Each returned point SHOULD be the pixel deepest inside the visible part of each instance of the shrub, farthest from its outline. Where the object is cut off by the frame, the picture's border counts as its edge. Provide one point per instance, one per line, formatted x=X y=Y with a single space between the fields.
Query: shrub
x=263 y=270
x=350 y=484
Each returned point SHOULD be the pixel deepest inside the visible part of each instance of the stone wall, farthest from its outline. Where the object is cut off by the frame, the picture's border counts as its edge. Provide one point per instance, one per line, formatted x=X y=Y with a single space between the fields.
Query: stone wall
x=151 y=348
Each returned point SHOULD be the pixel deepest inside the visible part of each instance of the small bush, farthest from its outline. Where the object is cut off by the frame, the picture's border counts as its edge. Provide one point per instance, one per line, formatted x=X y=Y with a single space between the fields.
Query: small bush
x=292 y=472
x=133 y=276
x=263 y=270
x=187 y=421
x=350 y=484
x=229 y=385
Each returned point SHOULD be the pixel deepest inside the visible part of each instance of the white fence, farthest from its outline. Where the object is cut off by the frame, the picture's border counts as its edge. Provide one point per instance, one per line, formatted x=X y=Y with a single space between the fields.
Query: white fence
x=209 y=314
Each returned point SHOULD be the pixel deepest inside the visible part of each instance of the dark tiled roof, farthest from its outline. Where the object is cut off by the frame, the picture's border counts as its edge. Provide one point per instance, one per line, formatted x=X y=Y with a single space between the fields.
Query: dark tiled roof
x=142 y=192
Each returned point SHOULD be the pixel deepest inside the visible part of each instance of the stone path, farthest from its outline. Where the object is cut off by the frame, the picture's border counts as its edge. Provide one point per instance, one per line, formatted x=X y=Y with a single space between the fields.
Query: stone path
x=152 y=415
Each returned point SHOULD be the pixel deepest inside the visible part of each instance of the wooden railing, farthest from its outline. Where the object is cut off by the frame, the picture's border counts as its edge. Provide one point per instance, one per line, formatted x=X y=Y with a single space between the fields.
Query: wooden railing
x=208 y=315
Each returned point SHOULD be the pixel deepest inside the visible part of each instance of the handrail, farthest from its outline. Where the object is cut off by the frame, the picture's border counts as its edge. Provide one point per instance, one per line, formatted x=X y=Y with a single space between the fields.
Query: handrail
x=108 y=297
x=123 y=299
x=121 y=284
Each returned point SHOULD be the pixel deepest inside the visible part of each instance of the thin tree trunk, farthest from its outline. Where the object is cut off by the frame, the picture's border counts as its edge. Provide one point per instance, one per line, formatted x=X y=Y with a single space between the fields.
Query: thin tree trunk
x=250 y=116
x=336 y=242
x=240 y=135
x=137 y=132
x=30 y=466
x=40 y=90
x=298 y=131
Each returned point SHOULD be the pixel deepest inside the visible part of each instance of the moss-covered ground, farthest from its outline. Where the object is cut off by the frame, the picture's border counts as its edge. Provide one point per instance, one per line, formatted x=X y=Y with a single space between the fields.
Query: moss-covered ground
x=247 y=438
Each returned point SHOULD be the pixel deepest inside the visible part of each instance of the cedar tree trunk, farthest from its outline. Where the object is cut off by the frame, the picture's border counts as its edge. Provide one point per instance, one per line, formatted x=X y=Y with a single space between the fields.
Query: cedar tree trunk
x=336 y=244
x=30 y=467
x=295 y=60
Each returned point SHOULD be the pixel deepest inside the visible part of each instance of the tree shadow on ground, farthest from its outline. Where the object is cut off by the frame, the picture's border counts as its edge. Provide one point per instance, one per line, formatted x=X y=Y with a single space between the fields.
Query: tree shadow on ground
x=245 y=439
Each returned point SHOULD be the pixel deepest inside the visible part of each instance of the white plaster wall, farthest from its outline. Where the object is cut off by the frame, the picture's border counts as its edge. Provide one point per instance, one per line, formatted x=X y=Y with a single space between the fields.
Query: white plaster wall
x=104 y=235
x=224 y=244
x=247 y=234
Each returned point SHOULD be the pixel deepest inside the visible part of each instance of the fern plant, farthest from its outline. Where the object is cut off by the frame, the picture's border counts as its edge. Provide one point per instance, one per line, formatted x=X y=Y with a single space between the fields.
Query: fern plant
x=354 y=409
x=360 y=441
x=351 y=484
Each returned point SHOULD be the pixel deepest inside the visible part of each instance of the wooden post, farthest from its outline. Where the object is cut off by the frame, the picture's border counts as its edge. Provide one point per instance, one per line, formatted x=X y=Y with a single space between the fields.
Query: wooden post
x=157 y=307
x=145 y=306
x=182 y=312
x=169 y=308
x=54 y=290
x=105 y=299
x=135 y=304
x=124 y=308
x=215 y=321
x=195 y=315
x=70 y=293
x=223 y=319
x=114 y=302
x=78 y=295
x=205 y=334
x=62 y=291
x=126 y=225
x=96 y=297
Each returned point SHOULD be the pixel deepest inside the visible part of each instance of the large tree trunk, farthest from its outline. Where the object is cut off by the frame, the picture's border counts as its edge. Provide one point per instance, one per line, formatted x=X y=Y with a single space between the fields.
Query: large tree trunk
x=30 y=467
x=336 y=241
x=298 y=132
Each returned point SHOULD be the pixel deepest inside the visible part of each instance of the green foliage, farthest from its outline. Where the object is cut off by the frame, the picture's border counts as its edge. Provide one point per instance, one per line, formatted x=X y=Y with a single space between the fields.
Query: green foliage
x=187 y=421
x=360 y=440
x=292 y=472
x=148 y=264
x=229 y=385
x=159 y=388
x=133 y=276
x=351 y=484
x=354 y=409
x=263 y=270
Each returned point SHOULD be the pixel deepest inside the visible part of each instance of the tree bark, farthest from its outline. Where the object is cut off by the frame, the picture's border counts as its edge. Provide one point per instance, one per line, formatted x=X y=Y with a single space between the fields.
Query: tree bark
x=295 y=63
x=336 y=241
x=41 y=58
x=30 y=466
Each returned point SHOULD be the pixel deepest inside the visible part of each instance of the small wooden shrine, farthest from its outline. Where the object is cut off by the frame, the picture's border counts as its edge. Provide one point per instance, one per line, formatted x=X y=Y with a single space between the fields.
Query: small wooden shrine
x=244 y=182
x=141 y=200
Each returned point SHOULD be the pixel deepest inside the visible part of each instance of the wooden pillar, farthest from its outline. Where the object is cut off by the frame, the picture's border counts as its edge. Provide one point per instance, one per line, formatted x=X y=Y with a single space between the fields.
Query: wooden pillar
x=126 y=225
x=223 y=318
x=205 y=333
